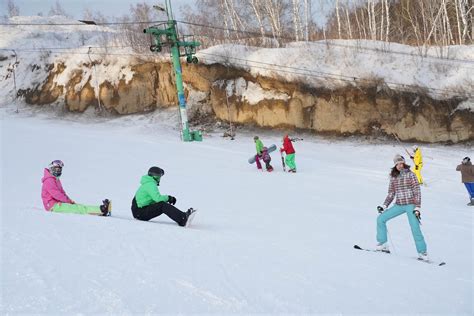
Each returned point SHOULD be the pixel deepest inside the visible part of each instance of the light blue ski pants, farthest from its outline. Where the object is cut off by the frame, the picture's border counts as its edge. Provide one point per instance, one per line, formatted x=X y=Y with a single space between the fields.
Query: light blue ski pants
x=395 y=211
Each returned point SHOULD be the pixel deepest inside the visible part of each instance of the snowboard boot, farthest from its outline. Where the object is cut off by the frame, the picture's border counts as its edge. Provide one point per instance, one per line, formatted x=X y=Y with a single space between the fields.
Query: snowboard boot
x=292 y=170
x=471 y=203
x=423 y=256
x=189 y=216
x=106 y=207
x=382 y=247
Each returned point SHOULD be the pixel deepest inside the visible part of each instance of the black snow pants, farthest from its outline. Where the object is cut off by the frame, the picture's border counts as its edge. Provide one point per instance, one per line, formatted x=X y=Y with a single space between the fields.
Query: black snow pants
x=153 y=210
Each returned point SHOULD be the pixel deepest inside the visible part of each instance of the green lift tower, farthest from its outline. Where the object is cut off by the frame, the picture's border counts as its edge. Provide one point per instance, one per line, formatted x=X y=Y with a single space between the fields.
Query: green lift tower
x=165 y=34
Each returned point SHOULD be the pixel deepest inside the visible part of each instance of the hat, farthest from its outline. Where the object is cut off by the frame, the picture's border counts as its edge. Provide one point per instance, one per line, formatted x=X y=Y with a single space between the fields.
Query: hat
x=466 y=160
x=414 y=147
x=398 y=159
x=255 y=137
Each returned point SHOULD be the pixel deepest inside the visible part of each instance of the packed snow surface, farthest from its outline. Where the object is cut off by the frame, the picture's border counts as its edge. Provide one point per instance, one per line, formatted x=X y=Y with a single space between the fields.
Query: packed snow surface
x=272 y=243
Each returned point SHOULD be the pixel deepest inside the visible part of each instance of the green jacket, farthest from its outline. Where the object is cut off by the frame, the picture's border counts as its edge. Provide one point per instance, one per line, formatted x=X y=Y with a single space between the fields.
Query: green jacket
x=148 y=192
x=259 y=146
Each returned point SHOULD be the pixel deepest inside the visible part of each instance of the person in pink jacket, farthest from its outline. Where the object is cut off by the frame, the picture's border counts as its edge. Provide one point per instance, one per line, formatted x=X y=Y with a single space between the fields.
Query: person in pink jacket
x=55 y=198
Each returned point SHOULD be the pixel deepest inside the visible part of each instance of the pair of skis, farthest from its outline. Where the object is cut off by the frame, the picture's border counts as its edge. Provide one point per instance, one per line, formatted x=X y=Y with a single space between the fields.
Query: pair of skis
x=441 y=263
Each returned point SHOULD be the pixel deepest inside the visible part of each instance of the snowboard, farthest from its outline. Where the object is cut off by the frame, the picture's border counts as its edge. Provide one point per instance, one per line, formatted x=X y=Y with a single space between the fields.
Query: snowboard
x=270 y=149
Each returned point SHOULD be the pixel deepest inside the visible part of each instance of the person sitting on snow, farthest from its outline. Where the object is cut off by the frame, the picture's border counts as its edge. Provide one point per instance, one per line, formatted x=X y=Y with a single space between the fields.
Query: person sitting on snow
x=55 y=198
x=149 y=203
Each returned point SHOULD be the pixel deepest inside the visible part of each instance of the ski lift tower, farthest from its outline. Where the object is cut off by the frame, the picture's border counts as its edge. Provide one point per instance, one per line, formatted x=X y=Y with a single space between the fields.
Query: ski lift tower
x=166 y=34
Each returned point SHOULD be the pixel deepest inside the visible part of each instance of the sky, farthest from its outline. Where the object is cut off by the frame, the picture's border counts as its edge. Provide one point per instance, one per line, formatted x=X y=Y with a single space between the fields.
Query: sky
x=110 y=8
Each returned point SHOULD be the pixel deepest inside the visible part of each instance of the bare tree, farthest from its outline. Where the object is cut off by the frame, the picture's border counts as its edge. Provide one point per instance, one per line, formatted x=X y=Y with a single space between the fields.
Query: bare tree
x=307 y=12
x=338 y=20
x=274 y=12
x=296 y=19
x=258 y=11
x=57 y=9
x=387 y=32
x=12 y=8
x=348 y=20
x=132 y=33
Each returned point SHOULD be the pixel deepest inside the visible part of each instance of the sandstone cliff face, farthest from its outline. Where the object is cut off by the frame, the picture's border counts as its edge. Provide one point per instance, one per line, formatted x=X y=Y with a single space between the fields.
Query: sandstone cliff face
x=237 y=95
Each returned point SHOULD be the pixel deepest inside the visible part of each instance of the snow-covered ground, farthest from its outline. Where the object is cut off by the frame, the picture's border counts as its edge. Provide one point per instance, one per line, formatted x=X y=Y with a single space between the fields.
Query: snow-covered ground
x=261 y=242
x=270 y=243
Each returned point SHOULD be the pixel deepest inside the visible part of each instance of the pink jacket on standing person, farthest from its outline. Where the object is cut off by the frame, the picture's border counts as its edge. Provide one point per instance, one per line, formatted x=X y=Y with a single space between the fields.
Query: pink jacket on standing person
x=52 y=191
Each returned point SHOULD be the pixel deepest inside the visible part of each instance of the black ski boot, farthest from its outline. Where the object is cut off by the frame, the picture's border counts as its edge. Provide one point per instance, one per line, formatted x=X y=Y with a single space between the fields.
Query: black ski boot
x=189 y=216
x=106 y=207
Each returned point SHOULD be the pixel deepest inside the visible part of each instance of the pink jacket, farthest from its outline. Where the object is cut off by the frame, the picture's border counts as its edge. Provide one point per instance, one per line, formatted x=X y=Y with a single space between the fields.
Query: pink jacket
x=52 y=191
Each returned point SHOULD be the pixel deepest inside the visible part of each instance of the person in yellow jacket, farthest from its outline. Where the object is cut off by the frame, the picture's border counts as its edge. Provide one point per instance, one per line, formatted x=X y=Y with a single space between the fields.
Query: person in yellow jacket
x=418 y=161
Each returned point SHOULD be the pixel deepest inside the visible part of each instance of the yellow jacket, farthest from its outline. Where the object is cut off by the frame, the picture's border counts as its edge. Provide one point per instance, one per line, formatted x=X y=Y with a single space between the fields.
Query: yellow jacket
x=417 y=159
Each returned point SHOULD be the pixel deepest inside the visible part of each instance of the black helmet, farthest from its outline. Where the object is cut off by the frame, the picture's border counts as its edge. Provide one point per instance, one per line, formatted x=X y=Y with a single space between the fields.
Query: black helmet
x=156 y=172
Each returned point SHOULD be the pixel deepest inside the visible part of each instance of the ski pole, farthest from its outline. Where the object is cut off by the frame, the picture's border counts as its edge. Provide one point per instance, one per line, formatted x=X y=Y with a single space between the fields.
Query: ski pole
x=409 y=154
x=282 y=161
x=391 y=241
x=399 y=141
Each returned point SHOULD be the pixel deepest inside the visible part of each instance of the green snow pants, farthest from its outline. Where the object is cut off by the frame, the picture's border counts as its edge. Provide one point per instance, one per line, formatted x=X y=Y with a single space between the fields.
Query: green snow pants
x=290 y=161
x=75 y=208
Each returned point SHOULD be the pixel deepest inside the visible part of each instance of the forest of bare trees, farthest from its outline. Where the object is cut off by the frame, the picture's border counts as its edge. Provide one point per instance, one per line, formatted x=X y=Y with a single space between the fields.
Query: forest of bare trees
x=273 y=22
x=270 y=23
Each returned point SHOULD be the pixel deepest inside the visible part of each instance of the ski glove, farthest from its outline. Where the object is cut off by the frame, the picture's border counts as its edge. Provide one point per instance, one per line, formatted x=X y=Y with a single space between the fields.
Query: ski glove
x=417 y=213
x=380 y=209
x=171 y=200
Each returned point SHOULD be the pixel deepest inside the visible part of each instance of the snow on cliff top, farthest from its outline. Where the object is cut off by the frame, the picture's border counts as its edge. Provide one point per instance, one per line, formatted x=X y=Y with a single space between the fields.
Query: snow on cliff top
x=339 y=63
x=443 y=72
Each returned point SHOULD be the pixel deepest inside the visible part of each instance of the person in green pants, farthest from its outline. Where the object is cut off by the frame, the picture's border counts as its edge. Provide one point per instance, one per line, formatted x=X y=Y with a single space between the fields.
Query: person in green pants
x=55 y=198
x=290 y=154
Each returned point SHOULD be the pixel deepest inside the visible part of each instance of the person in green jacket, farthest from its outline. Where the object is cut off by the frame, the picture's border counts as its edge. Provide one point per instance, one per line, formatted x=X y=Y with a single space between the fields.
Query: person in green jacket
x=259 y=147
x=149 y=203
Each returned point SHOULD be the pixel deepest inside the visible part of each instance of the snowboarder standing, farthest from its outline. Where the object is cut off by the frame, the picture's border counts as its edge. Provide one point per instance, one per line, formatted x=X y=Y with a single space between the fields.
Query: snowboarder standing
x=405 y=187
x=267 y=159
x=418 y=161
x=290 y=153
x=467 y=177
x=259 y=147
x=55 y=198
x=148 y=203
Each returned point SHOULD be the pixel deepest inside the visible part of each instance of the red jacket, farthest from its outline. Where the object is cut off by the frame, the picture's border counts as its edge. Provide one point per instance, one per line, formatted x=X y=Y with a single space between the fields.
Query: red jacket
x=287 y=146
